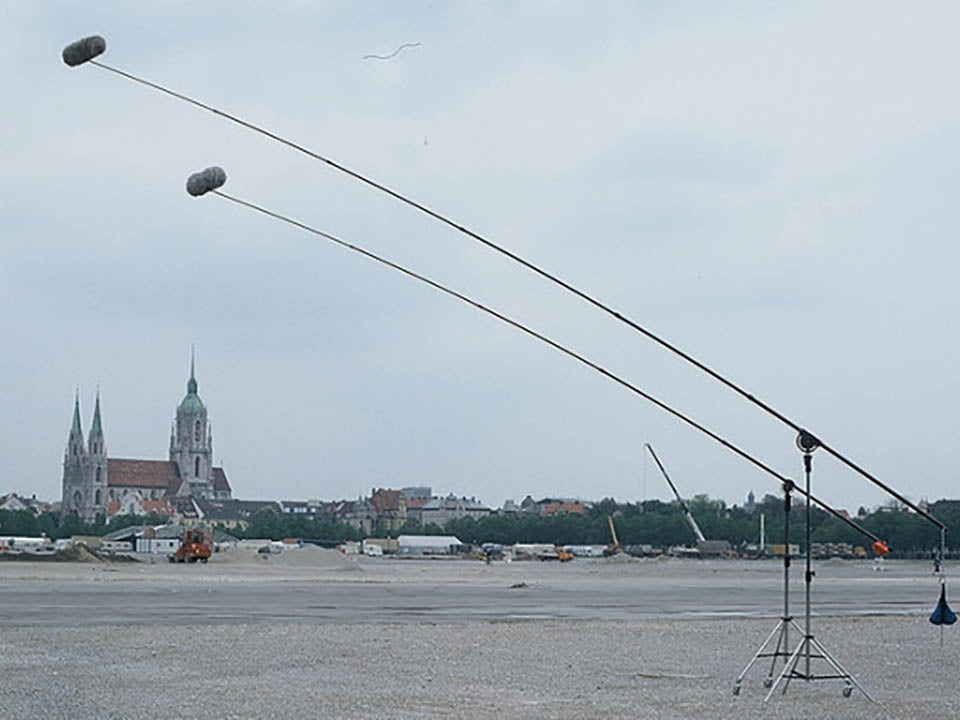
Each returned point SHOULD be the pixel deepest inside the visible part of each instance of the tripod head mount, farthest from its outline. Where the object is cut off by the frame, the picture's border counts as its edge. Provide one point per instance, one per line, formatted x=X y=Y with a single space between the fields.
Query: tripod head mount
x=807 y=442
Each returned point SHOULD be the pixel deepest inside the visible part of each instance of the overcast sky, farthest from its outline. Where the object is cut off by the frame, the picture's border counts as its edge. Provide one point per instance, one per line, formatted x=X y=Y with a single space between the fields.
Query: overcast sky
x=769 y=186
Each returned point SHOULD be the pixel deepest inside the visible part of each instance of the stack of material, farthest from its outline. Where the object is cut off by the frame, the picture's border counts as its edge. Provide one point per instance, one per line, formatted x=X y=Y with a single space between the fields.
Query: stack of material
x=314 y=557
x=308 y=556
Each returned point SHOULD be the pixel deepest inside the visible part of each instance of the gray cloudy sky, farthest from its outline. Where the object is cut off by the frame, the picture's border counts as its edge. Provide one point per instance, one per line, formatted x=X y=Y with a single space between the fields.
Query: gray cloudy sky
x=769 y=186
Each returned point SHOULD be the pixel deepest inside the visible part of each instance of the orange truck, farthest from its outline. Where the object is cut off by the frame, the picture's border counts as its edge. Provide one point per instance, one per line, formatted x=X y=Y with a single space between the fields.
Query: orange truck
x=196 y=544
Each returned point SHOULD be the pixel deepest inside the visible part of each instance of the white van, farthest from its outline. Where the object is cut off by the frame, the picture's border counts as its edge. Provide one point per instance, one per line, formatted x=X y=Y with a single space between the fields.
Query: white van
x=372 y=549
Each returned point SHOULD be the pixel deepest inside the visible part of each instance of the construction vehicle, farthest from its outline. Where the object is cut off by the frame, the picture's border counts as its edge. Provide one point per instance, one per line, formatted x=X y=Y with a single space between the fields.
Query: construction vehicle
x=614 y=548
x=683 y=506
x=704 y=547
x=779 y=549
x=196 y=544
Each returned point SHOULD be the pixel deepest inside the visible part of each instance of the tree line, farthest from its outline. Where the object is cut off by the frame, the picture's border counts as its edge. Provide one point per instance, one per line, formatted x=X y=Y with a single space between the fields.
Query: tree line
x=651 y=522
x=24 y=523
x=663 y=525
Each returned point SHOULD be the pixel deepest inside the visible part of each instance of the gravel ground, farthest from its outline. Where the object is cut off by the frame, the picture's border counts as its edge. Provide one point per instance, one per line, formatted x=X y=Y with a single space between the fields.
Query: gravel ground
x=652 y=667
x=581 y=669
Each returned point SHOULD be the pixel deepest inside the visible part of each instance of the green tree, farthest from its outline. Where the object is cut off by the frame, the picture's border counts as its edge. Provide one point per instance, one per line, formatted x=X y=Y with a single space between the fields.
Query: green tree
x=410 y=527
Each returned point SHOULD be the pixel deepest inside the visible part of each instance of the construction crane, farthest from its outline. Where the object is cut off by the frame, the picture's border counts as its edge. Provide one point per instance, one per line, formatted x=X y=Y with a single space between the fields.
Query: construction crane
x=614 y=547
x=683 y=505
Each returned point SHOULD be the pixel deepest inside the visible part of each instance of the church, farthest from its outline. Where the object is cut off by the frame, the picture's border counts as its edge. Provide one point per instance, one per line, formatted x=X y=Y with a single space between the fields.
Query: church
x=97 y=485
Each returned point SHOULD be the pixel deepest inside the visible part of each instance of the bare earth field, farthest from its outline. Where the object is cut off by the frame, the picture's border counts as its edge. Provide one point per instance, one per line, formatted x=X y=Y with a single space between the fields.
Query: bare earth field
x=312 y=634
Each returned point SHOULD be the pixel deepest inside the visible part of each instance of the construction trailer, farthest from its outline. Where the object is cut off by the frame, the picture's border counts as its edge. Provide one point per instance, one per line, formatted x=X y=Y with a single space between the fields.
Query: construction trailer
x=386 y=545
x=157 y=546
x=115 y=546
x=779 y=549
x=837 y=549
x=534 y=551
x=13 y=544
x=585 y=550
x=713 y=548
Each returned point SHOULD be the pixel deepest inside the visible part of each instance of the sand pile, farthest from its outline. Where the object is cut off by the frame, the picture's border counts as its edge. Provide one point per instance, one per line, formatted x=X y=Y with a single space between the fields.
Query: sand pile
x=77 y=553
x=315 y=557
x=625 y=559
x=236 y=556
x=308 y=556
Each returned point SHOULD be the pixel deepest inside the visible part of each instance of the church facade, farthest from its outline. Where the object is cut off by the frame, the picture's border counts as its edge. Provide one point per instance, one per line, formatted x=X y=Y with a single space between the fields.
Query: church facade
x=95 y=484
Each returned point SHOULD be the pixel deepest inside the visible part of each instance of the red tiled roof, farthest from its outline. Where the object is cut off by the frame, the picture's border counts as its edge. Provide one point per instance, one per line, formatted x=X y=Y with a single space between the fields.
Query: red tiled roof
x=160 y=507
x=384 y=500
x=413 y=503
x=564 y=508
x=143 y=474
x=158 y=474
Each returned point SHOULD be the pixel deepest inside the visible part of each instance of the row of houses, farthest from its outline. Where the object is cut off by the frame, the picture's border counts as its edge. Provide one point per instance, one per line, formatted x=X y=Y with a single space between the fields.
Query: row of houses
x=385 y=510
x=15 y=503
x=390 y=509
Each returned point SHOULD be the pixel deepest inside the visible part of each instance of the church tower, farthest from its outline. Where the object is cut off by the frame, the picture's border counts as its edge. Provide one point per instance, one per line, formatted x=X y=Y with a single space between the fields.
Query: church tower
x=75 y=490
x=191 y=441
x=97 y=464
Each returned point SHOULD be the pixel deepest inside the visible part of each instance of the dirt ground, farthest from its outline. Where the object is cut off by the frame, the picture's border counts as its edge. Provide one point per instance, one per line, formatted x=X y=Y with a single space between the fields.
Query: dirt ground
x=412 y=639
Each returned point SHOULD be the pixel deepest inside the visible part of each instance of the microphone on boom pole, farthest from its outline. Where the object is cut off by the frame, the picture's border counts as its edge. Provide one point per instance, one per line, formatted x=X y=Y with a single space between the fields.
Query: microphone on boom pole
x=83 y=51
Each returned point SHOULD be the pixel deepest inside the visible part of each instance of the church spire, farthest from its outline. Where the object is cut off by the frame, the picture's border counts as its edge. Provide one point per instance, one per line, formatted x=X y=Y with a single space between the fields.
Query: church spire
x=76 y=430
x=191 y=441
x=192 y=382
x=95 y=441
x=75 y=447
x=96 y=429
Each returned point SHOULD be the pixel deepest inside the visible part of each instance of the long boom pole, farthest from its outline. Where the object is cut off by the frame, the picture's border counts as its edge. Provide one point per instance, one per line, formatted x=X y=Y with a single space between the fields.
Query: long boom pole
x=686 y=419
x=87 y=57
x=683 y=505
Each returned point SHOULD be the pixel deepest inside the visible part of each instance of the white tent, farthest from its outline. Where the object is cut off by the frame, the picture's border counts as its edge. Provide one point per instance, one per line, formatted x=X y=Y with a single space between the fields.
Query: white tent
x=427 y=545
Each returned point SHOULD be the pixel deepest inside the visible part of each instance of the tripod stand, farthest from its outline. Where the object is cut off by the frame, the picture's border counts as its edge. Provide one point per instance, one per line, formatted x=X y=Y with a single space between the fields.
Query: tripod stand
x=782 y=629
x=809 y=648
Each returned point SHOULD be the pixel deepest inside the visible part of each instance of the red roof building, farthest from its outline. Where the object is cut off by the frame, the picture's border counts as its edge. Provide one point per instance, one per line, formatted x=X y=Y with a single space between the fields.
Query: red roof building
x=390 y=507
x=563 y=508
x=93 y=482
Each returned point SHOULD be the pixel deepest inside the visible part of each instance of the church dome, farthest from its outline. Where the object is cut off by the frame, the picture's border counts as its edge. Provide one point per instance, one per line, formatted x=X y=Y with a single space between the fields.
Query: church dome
x=190 y=405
